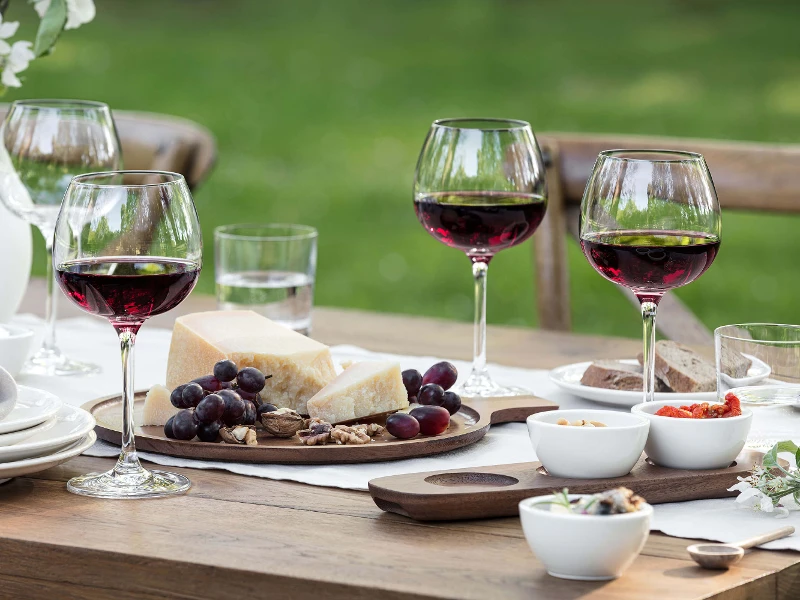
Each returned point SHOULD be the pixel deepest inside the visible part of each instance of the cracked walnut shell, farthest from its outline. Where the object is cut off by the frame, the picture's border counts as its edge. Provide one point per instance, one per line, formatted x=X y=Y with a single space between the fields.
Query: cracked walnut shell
x=283 y=423
x=239 y=434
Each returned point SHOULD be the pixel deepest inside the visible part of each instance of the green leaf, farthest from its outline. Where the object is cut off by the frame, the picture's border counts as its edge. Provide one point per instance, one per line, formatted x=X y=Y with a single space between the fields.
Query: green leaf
x=770 y=460
x=51 y=27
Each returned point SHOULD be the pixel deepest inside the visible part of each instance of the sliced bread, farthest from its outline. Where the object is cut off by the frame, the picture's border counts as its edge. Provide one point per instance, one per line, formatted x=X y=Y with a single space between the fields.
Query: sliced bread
x=616 y=375
x=735 y=364
x=682 y=369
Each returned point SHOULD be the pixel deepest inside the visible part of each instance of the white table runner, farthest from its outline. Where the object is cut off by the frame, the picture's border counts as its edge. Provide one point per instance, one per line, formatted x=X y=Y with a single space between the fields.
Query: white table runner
x=94 y=340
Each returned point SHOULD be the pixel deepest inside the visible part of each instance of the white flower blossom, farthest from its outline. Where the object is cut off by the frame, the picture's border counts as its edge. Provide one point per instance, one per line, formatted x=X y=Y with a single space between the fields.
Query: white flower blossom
x=6 y=31
x=16 y=62
x=741 y=486
x=79 y=12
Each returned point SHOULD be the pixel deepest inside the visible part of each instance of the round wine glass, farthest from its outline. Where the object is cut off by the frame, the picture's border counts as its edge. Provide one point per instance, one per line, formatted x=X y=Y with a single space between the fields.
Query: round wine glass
x=480 y=188
x=46 y=143
x=650 y=221
x=127 y=246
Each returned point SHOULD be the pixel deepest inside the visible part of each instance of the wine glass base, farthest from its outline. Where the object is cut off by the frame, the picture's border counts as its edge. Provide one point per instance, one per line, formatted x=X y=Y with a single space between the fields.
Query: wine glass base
x=483 y=386
x=54 y=362
x=142 y=484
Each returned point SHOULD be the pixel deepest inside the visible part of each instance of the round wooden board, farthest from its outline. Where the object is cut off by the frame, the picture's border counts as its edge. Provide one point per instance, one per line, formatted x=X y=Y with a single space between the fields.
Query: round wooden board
x=467 y=426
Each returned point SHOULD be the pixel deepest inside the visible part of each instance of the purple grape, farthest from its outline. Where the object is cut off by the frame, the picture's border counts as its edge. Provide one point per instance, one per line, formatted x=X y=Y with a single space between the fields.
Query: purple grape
x=208 y=432
x=176 y=397
x=265 y=408
x=433 y=420
x=234 y=407
x=210 y=409
x=442 y=373
x=412 y=380
x=168 y=428
x=402 y=425
x=192 y=394
x=209 y=383
x=184 y=425
x=253 y=397
x=225 y=370
x=431 y=394
x=250 y=411
x=452 y=402
x=251 y=380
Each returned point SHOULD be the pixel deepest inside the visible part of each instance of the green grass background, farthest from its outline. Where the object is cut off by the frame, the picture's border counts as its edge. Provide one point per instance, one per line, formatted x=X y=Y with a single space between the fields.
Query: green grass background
x=320 y=109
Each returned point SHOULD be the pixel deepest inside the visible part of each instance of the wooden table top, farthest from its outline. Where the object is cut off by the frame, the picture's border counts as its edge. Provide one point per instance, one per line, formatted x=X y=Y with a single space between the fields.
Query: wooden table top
x=244 y=537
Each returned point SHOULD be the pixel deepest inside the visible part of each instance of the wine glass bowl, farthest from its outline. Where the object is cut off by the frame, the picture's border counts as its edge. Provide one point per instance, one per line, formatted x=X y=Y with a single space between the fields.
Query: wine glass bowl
x=650 y=221
x=479 y=187
x=127 y=246
x=46 y=143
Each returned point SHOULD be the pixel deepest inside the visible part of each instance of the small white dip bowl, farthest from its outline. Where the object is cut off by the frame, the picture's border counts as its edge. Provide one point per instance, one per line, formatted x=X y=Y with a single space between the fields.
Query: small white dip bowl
x=693 y=443
x=588 y=452
x=15 y=344
x=587 y=547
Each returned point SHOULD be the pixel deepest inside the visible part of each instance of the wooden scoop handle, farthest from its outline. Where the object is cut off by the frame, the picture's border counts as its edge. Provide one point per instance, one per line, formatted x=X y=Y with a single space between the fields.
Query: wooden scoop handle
x=765 y=537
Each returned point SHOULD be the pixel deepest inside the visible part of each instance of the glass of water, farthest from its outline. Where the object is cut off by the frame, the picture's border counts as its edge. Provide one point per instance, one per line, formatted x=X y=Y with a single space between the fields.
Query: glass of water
x=760 y=364
x=269 y=269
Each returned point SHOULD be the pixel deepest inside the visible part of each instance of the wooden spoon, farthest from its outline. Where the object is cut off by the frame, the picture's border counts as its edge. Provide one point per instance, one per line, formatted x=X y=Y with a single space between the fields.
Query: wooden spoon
x=722 y=556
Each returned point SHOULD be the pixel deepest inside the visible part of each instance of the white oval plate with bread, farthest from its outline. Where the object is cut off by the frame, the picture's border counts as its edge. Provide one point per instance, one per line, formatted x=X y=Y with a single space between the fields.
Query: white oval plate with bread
x=569 y=378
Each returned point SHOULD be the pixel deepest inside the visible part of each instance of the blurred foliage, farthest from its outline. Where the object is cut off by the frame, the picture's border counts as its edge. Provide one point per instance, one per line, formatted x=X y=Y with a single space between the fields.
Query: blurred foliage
x=320 y=109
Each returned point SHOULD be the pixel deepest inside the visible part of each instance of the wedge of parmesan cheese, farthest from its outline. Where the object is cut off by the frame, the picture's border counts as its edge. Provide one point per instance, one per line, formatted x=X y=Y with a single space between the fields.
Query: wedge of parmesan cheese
x=157 y=407
x=365 y=388
x=299 y=366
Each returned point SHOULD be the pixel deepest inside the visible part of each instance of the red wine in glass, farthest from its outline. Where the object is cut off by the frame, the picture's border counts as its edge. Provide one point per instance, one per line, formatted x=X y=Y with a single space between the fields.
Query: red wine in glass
x=652 y=261
x=127 y=289
x=480 y=223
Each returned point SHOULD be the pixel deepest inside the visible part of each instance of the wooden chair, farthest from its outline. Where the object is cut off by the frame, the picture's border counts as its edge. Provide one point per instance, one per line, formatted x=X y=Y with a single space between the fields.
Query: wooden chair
x=750 y=176
x=163 y=143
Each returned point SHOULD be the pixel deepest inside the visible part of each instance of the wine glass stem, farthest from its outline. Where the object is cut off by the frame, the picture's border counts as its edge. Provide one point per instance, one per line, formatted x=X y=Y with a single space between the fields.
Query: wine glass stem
x=128 y=460
x=49 y=342
x=480 y=271
x=649 y=358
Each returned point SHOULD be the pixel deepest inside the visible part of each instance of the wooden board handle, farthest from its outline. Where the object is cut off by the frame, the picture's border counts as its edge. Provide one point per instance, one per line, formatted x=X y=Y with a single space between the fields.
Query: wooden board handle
x=514 y=409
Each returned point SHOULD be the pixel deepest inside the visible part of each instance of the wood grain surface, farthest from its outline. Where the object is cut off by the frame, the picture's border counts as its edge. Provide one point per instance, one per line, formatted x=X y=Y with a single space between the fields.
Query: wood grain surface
x=252 y=538
x=467 y=426
x=496 y=491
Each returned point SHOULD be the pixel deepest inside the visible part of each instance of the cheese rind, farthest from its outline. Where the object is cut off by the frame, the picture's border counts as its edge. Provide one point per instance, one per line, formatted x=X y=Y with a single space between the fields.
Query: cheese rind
x=299 y=366
x=363 y=389
x=157 y=407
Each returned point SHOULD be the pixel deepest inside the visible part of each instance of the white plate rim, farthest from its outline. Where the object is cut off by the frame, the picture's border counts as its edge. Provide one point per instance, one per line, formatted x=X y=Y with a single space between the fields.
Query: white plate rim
x=616 y=397
x=35 y=464
x=53 y=442
x=50 y=410
x=24 y=434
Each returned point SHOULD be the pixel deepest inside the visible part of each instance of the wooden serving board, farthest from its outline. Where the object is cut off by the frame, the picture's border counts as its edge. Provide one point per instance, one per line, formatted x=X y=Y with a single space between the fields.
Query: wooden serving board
x=496 y=491
x=467 y=426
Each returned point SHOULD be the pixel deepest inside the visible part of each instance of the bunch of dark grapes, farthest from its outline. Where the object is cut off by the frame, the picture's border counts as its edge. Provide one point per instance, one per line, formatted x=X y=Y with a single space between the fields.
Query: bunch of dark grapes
x=228 y=397
x=438 y=404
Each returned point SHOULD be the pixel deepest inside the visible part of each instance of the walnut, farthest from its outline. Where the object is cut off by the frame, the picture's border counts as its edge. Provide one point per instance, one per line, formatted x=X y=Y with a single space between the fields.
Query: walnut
x=344 y=434
x=318 y=433
x=282 y=423
x=239 y=434
x=371 y=429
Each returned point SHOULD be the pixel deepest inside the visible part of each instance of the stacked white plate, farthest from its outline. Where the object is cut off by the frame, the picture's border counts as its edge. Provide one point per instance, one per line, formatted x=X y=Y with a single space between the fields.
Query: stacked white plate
x=40 y=432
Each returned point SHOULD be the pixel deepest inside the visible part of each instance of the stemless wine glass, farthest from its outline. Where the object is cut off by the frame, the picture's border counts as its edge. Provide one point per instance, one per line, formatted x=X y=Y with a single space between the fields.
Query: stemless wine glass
x=480 y=188
x=128 y=246
x=650 y=221
x=46 y=143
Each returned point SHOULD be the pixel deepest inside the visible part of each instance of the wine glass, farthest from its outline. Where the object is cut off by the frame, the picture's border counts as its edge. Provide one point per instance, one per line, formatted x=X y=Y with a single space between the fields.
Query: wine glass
x=127 y=246
x=480 y=188
x=45 y=143
x=650 y=221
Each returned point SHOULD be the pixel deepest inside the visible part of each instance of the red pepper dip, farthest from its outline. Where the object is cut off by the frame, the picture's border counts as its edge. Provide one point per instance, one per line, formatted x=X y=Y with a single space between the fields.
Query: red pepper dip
x=731 y=408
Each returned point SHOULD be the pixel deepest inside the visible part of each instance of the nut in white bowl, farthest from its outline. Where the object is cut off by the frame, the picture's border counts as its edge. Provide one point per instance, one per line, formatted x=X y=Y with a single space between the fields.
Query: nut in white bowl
x=15 y=344
x=585 y=547
x=693 y=443
x=588 y=452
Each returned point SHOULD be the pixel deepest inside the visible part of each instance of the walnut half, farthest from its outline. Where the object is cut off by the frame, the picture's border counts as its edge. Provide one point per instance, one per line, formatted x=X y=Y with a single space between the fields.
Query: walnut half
x=318 y=433
x=345 y=434
x=283 y=423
